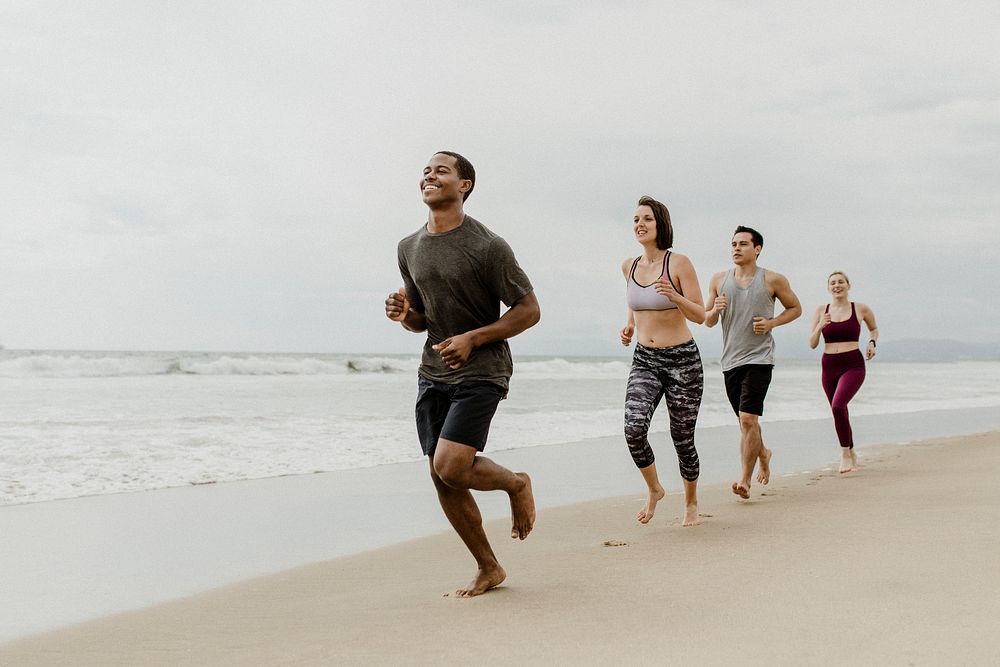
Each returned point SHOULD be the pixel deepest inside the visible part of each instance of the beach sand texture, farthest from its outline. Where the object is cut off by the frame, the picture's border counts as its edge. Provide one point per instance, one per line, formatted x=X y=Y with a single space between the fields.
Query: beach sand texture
x=895 y=564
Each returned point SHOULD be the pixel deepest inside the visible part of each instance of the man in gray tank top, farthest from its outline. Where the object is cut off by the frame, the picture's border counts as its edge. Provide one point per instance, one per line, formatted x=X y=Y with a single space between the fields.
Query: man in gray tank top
x=456 y=272
x=743 y=298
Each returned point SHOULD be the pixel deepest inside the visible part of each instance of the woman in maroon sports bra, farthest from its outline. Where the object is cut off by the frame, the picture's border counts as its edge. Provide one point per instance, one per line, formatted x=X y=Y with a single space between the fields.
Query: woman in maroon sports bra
x=839 y=322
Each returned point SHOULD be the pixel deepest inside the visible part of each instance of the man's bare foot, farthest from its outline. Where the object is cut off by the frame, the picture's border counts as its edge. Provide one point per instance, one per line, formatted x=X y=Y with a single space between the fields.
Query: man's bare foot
x=854 y=459
x=741 y=489
x=522 y=509
x=847 y=461
x=691 y=515
x=764 y=476
x=646 y=513
x=484 y=581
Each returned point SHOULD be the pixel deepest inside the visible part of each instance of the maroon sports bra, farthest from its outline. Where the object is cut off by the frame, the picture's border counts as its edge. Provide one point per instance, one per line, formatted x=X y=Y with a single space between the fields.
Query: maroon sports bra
x=845 y=331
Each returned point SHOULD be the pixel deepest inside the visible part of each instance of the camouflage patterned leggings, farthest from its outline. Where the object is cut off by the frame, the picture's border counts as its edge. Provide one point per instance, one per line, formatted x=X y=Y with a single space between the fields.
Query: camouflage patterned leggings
x=676 y=373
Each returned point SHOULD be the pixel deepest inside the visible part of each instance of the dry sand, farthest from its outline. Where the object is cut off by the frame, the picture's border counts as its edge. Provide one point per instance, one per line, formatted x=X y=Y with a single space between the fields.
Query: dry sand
x=895 y=564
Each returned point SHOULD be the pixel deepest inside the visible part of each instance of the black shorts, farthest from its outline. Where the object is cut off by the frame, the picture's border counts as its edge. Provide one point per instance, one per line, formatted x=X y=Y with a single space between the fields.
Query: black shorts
x=747 y=386
x=458 y=412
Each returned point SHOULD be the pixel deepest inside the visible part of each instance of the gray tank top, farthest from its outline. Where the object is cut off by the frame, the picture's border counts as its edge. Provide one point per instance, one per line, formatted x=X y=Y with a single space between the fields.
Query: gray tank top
x=740 y=345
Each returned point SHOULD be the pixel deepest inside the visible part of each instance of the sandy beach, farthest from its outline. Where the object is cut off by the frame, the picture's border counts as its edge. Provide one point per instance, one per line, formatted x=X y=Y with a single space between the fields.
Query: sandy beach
x=893 y=564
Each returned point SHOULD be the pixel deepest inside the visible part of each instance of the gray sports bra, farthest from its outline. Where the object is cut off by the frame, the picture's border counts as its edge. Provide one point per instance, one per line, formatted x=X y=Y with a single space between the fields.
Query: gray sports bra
x=645 y=297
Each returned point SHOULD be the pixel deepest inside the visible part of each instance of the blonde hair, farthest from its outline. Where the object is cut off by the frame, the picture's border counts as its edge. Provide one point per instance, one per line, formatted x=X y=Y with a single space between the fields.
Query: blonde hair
x=839 y=273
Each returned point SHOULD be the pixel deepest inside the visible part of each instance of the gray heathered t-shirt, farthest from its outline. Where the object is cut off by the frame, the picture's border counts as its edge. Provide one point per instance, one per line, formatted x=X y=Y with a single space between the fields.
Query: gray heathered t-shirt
x=457 y=279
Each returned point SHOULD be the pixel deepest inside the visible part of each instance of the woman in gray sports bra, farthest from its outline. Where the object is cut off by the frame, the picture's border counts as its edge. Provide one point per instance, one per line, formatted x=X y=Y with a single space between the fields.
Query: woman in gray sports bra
x=662 y=292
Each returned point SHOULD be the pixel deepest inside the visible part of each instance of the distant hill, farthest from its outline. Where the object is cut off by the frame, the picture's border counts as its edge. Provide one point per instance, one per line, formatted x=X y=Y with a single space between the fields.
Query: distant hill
x=920 y=349
x=793 y=346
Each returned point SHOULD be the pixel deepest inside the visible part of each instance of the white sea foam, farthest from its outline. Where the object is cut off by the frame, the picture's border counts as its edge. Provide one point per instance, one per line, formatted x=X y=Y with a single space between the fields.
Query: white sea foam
x=95 y=364
x=255 y=365
x=565 y=368
x=65 y=366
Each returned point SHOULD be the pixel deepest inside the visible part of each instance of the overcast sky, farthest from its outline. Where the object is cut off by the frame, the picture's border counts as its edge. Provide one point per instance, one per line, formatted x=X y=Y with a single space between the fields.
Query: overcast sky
x=236 y=175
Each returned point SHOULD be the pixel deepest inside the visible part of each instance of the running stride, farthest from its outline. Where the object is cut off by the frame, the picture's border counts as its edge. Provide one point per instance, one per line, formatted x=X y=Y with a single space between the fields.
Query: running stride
x=843 y=365
x=661 y=288
x=743 y=298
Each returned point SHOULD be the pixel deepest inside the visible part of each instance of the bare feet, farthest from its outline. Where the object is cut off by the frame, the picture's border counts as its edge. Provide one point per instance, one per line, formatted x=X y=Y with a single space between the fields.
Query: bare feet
x=691 y=515
x=646 y=513
x=764 y=476
x=484 y=581
x=854 y=459
x=848 y=462
x=522 y=510
x=741 y=489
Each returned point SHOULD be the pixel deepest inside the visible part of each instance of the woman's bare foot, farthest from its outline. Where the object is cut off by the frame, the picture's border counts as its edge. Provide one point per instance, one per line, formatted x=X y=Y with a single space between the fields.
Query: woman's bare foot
x=854 y=459
x=522 y=509
x=646 y=513
x=847 y=459
x=741 y=489
x=764 y=476
x=691 y=515
x=484 y=581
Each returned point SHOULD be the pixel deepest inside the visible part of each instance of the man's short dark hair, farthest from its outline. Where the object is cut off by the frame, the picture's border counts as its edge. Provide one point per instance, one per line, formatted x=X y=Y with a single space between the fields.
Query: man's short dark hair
x=758 y=240
x=465 y=170
x=664 y=230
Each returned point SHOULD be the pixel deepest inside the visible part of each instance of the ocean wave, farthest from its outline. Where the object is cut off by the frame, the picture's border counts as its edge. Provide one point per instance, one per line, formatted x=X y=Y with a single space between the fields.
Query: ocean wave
x=96 y=365
x=60 y=366
x=381 y=365
x=88 y=365
x=255 y=365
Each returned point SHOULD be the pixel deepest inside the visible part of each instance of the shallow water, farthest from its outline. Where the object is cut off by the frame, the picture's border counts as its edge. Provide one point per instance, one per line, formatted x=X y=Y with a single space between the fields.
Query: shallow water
x=87 y=423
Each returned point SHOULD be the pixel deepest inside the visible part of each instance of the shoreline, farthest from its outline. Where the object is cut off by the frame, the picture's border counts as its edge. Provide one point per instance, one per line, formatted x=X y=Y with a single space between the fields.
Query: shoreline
x=892 y=564
x=80 y=559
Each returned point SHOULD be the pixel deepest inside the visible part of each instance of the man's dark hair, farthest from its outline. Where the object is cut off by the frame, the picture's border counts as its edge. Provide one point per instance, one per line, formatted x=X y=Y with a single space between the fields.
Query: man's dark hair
x=664 y=230
x=758 y=240
x=465 y=171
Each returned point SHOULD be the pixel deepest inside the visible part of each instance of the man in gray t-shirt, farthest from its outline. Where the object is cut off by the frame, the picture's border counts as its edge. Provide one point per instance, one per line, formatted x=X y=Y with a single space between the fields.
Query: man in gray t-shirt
x=456 y=273
x=461 y=276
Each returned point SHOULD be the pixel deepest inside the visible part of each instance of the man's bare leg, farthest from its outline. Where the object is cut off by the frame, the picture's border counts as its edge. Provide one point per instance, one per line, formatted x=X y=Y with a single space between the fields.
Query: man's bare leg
x=460 y=467
x=463 y=514
x=656 y=493
x=750 y=450
x=456 y=469
x=764 y=476
x=691 y=503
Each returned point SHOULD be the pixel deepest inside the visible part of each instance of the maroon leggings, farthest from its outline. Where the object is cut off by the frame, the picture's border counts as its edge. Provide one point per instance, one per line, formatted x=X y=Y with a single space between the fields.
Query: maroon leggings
x=843 y=375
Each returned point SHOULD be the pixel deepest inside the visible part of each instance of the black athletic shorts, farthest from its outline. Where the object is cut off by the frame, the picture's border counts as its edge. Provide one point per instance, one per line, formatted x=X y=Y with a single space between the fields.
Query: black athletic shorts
x=458 y=412
x=747 y=386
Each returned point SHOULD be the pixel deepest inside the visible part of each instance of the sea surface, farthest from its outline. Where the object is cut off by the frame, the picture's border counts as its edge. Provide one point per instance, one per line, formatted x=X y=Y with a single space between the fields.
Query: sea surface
x=88 y=423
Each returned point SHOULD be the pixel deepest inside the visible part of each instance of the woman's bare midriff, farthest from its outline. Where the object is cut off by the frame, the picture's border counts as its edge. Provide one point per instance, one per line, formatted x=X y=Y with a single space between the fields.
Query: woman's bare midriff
x=661 y=328
x=837 y=348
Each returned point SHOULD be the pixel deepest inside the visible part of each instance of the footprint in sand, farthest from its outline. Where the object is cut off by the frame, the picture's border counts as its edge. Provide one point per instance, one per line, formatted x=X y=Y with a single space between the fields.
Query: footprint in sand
x=615 y=543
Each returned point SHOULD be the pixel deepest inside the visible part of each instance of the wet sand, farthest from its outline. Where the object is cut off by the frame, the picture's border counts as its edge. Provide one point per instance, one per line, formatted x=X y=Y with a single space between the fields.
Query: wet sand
x=892 y=564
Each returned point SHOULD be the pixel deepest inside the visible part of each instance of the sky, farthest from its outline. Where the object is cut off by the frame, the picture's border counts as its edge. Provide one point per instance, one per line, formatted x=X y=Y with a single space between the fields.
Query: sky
x=234 y=176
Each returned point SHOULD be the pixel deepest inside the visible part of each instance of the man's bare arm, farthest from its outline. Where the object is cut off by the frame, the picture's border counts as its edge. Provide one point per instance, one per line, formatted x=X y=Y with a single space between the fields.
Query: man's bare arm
x=715 y=303
x=783 y=292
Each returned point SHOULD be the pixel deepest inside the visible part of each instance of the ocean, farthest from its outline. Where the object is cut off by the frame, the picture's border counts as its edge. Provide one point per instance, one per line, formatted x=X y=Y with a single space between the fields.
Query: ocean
x=88 y=423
